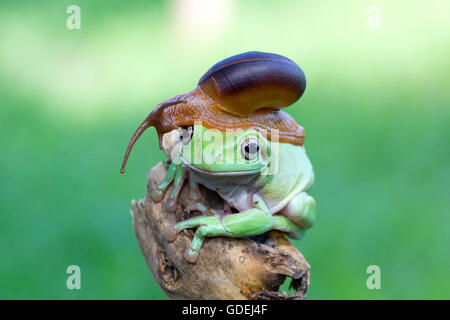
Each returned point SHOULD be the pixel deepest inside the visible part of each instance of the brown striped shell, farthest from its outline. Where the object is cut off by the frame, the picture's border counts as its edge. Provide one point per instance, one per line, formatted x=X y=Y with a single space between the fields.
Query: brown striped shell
x=252 y=81
x=241 y=92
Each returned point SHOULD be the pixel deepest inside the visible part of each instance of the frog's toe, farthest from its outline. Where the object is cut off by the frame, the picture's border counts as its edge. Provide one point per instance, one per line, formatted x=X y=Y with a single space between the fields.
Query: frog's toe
x=170 y=234
x=157 y=194
x=191 y=255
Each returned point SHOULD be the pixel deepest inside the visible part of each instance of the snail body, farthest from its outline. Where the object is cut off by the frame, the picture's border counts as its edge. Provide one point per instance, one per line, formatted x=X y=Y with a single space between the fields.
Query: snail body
x=243 y=91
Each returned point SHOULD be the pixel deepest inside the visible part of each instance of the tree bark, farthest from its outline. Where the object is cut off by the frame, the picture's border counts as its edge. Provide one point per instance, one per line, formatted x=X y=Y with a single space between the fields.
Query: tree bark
x=227 y=268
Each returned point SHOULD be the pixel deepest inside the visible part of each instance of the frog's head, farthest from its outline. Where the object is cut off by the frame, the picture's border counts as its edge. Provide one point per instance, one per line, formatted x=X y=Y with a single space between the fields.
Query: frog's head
x=237 y=152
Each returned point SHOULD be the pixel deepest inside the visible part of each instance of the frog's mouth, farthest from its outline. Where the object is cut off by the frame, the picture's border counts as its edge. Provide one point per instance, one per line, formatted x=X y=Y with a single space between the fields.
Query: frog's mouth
x=223 y=172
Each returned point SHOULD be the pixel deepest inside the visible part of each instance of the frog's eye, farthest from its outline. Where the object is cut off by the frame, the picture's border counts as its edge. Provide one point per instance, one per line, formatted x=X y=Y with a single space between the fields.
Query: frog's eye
x=250 y=148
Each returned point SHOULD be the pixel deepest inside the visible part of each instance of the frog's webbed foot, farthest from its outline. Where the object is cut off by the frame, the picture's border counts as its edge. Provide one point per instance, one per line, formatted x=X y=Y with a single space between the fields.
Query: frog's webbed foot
x=301 y=210
x=248 y=223
x=171 y=233
x=298 y=215
x=176 y=174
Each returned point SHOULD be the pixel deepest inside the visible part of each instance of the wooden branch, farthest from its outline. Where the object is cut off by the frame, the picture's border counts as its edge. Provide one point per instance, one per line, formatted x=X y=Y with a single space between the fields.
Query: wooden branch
x=227 y=268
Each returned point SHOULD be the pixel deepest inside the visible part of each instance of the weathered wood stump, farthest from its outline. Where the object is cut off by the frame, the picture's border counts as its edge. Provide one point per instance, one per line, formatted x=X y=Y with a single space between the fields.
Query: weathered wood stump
x=227 y=268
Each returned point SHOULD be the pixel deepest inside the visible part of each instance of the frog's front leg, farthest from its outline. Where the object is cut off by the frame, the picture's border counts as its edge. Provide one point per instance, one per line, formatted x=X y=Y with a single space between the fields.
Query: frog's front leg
x=176 y=174
x=251 y=222
x=158 y=193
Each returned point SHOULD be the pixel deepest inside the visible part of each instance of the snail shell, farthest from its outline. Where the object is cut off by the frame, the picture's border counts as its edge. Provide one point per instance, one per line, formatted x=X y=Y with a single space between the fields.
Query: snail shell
x=241 y=92
x=254 y=80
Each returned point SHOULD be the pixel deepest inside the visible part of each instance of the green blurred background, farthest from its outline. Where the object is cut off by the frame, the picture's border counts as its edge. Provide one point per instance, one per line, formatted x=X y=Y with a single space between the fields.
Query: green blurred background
x=376 y=113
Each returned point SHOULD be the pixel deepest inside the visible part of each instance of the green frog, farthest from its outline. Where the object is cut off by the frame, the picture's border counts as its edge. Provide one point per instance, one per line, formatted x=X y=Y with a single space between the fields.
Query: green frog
x=265 y=181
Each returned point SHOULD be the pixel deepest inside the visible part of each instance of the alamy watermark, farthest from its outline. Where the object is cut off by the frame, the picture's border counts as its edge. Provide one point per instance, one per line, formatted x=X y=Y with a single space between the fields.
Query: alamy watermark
x=73 y=21
x=74 y=279
x=373 y=21
x=374 y=280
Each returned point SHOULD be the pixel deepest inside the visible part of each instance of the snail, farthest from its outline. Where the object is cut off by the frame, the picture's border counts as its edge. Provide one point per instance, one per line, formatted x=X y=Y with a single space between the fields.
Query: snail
x=241 y=92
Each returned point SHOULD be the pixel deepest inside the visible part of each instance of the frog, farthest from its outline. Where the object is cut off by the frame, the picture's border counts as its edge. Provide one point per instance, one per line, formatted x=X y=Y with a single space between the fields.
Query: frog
x=264 y=184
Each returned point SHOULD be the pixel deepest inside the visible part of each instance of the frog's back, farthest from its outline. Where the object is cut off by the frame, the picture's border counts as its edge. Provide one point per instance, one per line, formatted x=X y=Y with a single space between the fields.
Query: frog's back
x=291 y=174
